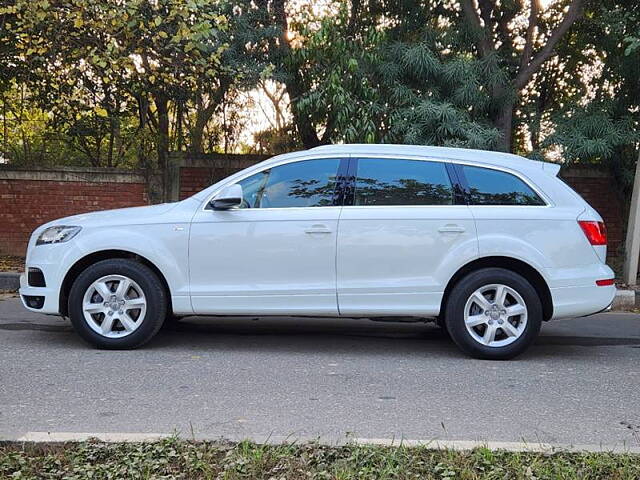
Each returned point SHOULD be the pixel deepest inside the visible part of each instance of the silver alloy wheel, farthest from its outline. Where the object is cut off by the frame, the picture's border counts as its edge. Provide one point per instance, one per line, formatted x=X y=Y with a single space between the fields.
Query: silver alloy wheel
x=114 y=306
x=495 y=315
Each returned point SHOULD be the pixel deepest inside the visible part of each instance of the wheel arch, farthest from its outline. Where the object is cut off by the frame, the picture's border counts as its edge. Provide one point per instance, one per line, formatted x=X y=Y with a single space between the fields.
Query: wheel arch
x=531 y=274
x=83 y=263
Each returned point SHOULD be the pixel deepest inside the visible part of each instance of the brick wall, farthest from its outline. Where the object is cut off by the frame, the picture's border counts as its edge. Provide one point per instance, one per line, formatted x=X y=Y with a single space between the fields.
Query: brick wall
x=29 y=198
x=198 y=172
x=598 y=188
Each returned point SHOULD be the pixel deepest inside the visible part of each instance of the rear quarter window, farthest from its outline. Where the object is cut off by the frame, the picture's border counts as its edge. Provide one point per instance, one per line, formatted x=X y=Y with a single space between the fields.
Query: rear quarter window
x=495 y=187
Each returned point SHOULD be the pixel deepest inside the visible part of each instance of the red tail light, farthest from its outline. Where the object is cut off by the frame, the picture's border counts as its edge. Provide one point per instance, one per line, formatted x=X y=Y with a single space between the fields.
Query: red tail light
x=595 y=232
x=605 y=283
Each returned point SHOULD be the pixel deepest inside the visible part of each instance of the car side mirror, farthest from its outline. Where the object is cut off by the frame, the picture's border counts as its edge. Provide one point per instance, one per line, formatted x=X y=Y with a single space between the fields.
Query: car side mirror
x=229 y=197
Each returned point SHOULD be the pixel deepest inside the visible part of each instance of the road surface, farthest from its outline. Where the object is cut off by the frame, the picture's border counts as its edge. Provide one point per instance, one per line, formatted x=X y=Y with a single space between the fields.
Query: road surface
x=322 y=378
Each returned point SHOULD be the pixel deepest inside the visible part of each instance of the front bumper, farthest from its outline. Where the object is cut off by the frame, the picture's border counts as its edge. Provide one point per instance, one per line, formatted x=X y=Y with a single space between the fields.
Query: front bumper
x=54 y=261
x=51 y=304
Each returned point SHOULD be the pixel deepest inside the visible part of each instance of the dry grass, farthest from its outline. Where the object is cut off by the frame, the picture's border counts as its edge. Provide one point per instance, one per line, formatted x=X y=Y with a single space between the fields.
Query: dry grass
x=175 y=458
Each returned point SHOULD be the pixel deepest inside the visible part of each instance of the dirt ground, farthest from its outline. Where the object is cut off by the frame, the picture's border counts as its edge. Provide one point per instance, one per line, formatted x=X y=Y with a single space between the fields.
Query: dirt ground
x=10 y=263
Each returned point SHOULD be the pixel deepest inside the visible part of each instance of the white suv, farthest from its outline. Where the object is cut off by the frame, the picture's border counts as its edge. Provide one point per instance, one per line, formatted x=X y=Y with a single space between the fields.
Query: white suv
x=487 y=244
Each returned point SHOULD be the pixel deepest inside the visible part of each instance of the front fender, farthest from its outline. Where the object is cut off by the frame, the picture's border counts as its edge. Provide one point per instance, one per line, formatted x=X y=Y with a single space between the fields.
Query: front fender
x=164 y=245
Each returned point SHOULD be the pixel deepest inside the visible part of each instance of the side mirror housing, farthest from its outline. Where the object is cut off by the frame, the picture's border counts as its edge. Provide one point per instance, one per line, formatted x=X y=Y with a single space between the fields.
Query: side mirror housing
x=229 y=197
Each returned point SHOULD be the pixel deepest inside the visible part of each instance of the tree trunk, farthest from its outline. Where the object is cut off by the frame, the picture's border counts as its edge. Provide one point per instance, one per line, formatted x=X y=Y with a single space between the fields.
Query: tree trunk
x=353 y=17
x=163 y=140
x=632 y=242
x=111 y=144
x=293 y=81
x=5 y=134
x=305 y=127
x=179 y=130
x=117 y=136
x=197 y=132
x=204 y=113
x=478 y=14
x=504 y=123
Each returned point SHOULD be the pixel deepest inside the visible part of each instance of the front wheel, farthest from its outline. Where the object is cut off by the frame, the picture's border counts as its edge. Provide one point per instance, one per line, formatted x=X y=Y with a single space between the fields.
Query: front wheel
x=117 y=304
x=494 y=314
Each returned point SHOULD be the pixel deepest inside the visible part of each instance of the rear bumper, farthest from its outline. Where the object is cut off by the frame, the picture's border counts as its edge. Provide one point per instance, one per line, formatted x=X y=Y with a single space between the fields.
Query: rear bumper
x=574 y=291
x=581 y=301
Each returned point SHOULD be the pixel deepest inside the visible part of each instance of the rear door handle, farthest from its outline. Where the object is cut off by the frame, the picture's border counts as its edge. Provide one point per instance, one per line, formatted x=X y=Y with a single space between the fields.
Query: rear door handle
x=450 y=228
x=317 y=229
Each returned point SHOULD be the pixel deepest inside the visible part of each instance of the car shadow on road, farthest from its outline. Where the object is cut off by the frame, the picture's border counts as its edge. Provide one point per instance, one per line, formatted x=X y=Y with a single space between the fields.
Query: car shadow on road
x=302 y=335
x=347 y=335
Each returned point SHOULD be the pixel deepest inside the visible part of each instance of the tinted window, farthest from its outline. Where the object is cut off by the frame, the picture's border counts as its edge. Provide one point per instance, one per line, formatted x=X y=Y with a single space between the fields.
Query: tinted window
x=310 y=183
x=493 y=187
x=402 y=182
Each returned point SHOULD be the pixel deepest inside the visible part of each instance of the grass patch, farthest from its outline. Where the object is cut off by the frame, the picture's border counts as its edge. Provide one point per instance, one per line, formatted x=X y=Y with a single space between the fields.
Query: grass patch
x=173 y=458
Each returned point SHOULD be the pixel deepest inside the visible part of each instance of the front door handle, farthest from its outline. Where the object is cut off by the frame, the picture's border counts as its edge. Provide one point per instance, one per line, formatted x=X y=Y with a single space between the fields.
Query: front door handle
x=317 y=229
x=451 y=228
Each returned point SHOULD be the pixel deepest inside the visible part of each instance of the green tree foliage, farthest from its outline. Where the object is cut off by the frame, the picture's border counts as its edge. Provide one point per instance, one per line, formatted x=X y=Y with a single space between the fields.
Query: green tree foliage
x=123 y=82
x=94 y=66
x=373 y=85
x=598 y=121
x=421 y=71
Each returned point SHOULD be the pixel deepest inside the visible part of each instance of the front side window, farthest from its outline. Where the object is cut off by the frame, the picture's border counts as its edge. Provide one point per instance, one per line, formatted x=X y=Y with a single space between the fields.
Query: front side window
x=494 y=187
x=308 y=183
x=382 y=181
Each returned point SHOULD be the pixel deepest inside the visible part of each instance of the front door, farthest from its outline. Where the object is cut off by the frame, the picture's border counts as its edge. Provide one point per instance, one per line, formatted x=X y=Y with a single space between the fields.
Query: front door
x=401 y=236
x=275 y=254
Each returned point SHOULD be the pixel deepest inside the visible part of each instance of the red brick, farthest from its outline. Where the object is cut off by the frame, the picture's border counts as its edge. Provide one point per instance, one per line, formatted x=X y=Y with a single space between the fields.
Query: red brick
x=25 y=204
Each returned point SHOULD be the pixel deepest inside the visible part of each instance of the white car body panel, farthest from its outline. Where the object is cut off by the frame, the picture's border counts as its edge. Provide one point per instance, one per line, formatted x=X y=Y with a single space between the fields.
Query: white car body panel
x=398 y=260
x=278 y=261
x=158 y=233
x=351 y=260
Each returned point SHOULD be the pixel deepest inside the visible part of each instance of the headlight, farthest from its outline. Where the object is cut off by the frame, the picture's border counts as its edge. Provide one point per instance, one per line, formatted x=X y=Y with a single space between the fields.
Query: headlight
x=57 y=234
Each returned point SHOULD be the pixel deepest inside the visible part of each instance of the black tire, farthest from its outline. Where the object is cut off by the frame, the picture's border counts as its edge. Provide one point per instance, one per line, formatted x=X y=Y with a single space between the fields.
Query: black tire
x=148 y=281
x=442 y=325
x=462 y=291
x=172 y=322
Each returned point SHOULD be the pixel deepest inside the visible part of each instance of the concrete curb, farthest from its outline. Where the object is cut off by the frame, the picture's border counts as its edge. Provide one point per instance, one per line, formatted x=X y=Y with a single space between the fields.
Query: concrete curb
x=9 y=281
x=435 y=444
x=624 y=300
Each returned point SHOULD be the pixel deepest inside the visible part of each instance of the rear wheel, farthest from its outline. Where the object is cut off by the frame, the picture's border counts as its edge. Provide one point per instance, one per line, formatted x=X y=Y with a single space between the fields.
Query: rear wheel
x=117 y=304
x=493 y=313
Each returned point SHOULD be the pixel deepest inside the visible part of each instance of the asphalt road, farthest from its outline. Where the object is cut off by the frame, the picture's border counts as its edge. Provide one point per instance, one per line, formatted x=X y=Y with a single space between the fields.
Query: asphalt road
x=304 y=378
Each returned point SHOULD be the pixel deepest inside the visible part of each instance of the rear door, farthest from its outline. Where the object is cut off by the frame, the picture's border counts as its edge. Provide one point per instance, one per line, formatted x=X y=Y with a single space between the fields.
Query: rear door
x=402 y=233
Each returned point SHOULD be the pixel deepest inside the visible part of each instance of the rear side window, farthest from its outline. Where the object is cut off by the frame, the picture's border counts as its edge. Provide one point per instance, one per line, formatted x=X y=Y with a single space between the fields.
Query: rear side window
x=386 y=181
x=493 y=187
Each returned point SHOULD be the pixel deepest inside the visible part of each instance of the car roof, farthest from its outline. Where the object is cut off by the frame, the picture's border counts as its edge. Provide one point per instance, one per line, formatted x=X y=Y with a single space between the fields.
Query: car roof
x=499 y=159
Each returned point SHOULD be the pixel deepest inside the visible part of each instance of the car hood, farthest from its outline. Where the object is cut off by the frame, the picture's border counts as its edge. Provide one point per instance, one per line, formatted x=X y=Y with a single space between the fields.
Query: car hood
x=120 y=216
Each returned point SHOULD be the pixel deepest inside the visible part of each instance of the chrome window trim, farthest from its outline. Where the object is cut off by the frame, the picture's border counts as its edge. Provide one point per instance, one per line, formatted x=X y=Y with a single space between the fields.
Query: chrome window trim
x=320 y=156
x=471 y=163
